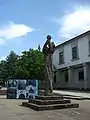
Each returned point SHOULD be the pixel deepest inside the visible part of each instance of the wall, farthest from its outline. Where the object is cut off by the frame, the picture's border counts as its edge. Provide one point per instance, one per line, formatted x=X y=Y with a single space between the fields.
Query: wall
x=73 y=83
x=83 y=49
x=83 y=54
x=88 y=80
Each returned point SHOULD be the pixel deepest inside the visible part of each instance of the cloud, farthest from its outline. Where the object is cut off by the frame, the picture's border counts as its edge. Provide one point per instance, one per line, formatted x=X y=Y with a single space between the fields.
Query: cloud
x=74 y=23
x=2 y=58
x=2 y=41
x=12 y=30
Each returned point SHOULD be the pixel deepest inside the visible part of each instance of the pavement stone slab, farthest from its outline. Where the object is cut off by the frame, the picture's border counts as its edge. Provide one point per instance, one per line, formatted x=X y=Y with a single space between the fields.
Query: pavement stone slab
x=11 y=109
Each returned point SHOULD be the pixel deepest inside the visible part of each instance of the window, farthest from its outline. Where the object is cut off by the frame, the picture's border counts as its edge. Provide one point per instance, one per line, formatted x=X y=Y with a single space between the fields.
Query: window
x=74 y=53
x=81 y=75
x=61 y=58
x=89 y=47
x=66 y=77
x=54 y=77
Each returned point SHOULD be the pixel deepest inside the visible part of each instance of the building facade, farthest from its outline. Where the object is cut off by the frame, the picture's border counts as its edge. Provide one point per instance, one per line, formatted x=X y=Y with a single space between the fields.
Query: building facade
x=71 y=61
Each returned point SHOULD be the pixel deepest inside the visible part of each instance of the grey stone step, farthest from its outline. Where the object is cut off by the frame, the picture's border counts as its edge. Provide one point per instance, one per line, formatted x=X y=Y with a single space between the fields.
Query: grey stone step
x=48 y=97
x=48 y=102
x=49 y=107
x=76 y=98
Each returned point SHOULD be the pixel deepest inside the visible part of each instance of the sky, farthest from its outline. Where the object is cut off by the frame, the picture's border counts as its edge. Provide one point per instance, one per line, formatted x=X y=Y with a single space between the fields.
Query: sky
x=24 y=24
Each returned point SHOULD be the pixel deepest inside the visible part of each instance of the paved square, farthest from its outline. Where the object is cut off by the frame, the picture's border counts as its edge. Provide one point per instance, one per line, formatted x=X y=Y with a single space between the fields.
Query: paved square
x=11 y=110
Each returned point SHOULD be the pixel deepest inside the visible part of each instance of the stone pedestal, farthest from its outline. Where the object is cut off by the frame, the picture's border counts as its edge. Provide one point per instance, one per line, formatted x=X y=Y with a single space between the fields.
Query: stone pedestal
x=49 y=103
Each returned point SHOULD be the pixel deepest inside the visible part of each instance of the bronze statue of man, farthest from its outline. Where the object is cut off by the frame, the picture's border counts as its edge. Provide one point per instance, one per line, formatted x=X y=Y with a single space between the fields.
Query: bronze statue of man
x=48 y=50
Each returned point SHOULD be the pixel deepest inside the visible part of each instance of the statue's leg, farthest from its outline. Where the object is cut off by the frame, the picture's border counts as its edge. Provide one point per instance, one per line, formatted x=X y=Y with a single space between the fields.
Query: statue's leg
x=46 y=76
x=51 y=80
x=49 y=73
x=46 y=84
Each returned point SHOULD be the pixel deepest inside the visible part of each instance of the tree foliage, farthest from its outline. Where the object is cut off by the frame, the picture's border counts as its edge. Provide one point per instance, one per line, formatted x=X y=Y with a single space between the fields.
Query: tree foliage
x=30 y=65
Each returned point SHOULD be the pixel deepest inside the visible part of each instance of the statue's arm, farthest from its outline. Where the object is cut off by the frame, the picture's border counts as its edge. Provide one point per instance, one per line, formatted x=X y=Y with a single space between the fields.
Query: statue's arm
x=45 y=46
x=53 y=47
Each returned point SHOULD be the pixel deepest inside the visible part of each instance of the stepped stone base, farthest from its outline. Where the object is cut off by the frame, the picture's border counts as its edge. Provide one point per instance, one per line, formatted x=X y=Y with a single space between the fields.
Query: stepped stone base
x=49 y=97
x=49 y=103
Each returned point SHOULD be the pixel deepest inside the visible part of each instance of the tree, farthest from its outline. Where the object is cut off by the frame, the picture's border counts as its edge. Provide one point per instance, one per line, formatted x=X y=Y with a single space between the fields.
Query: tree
x=39 y=48
x=3 y=72
x=11 y=62
x=32 y=62
x=30 y=65
x=21 y=68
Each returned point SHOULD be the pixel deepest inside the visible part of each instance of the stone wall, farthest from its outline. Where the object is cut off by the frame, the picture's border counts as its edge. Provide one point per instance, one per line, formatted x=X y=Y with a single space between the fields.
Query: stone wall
x=3 y=92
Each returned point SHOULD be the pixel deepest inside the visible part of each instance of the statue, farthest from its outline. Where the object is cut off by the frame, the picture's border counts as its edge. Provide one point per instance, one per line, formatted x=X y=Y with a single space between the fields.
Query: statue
x=48 y=50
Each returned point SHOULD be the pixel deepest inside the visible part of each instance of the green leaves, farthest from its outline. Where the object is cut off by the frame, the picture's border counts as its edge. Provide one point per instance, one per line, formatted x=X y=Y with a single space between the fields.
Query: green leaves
x=30 y=65
x=33 y=62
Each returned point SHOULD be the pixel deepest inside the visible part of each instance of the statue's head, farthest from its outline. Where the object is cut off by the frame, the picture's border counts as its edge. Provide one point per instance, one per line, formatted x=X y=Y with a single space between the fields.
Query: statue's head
x=49 y=37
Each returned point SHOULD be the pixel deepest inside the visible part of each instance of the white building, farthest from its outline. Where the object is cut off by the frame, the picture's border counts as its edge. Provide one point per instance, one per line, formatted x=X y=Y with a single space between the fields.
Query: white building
x=71 y=61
